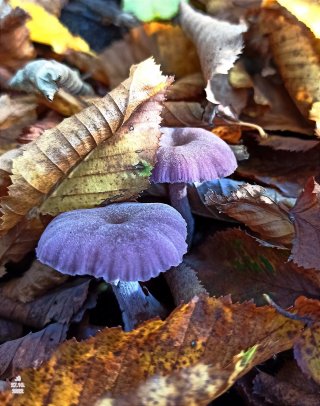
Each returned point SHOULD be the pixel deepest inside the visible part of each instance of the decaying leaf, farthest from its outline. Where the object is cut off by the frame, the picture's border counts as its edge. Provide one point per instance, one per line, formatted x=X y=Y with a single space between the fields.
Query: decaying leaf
x=188 y=88
x=306 y=220
x=232 y=262
x=35 y=282
x=30 y=350
x=15 y=45
x=218 y=43
x=32 y=132
x=115 y=364
x=46 y=76
x=250 y=205
x=75 y=165
x=46 y=29
x=278 y=142
x=183 y=114
x=59 y=305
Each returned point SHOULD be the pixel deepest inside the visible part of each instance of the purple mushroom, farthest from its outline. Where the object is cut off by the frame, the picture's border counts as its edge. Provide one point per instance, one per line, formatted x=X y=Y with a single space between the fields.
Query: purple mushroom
x=190 y=155
x=123 y=243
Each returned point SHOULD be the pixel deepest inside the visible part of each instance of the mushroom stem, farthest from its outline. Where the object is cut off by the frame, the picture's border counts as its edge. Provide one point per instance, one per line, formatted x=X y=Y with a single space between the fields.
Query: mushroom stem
x=179 y=200
x=135 y=305
x=183 y=283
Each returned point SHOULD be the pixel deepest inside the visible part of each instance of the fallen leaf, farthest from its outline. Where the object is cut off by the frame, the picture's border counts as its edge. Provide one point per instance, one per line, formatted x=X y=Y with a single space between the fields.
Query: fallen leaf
x=232 y=262
x=59 y=161
x=294 y=144
x=31 y=350
x=46 y=76
x=307 y=11
x=32 y=132
x=102 y=366
x=250 y=205
x=295 y=53
x=306 y=219
x=218 y=43
x=52 y=6
x=59 y=305
x=183 y=114
x=35 y=282
x=15 y=45
x=188 y=88
x=46 y=29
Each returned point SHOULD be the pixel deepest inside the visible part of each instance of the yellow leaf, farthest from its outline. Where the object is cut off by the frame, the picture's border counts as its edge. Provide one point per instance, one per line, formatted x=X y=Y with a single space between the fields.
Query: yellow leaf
x=45 y=28
x=307 y=11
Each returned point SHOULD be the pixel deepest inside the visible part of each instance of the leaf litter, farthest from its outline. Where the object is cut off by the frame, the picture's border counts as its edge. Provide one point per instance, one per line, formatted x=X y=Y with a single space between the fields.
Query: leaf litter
x=88 y=92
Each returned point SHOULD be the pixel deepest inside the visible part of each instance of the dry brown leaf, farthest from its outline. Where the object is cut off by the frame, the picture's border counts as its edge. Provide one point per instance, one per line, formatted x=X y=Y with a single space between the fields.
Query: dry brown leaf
x=188 y=88
x=306 y=220
x=52 y=174
x=33 y=131
x=296 y=55
x=15 y=45
x=30 y=350
x=182 y=114
x=9 y=330
x=53 y=6
x=218 y=43
x=231 y=134
x=251 y=205
x=114 y=364
x=35 y=282
x=279 y=142
x=232 y=262
x=65 y=103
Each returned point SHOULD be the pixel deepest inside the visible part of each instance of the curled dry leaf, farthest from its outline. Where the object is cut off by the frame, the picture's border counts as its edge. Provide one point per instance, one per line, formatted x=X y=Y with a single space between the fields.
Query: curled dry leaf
x=306 y=220
x=31 y=350
x=254 y=269
x=251 y=205
x=15 y=45
x=35 y=282
x=119 y=363
x=218 y=43
x=59 y=305
x=46 y=76
x=75 y=164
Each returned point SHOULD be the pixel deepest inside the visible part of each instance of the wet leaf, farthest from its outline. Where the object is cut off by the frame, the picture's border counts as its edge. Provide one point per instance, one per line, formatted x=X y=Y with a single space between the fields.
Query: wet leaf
x=306 y=220
x=189 y=338
x=250 y=205
x=232 y=262
x=218 y=43
x=75 y=164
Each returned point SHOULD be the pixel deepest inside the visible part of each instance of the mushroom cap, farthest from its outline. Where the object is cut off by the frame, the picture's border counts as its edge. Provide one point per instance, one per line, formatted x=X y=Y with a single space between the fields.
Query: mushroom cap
x=123 y=241
x=192 y=155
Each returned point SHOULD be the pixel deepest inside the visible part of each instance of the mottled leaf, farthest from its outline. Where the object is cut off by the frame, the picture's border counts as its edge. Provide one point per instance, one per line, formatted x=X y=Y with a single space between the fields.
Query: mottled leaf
x=115 y=364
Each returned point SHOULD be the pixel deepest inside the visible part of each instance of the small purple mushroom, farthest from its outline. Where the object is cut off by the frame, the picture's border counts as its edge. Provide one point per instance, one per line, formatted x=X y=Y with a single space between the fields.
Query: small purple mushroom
x=123 y=243
x=190 y=155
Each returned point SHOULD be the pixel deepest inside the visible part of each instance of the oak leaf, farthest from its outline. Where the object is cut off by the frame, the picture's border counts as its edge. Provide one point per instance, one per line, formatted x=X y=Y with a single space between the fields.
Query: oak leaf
x=250 y=205
x=77 y=164
x=218 y=43
x=306 y=220
x=114 y=364
x=253 y=269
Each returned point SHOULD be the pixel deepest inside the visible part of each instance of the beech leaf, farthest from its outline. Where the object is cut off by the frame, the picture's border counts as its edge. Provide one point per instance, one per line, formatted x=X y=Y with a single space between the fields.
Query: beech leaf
x=76 y=164
x=250 y=205
x=115 y=364
x=306 y=220
x=218 y=43
x=46 y=76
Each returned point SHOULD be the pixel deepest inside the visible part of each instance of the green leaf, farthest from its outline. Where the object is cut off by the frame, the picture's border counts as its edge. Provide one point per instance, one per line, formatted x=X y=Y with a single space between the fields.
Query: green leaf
x=149 y=10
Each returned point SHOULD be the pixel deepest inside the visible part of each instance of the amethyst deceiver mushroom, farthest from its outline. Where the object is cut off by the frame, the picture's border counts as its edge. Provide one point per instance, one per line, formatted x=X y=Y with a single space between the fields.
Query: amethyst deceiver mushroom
x=190 y=155
x=123 y=243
